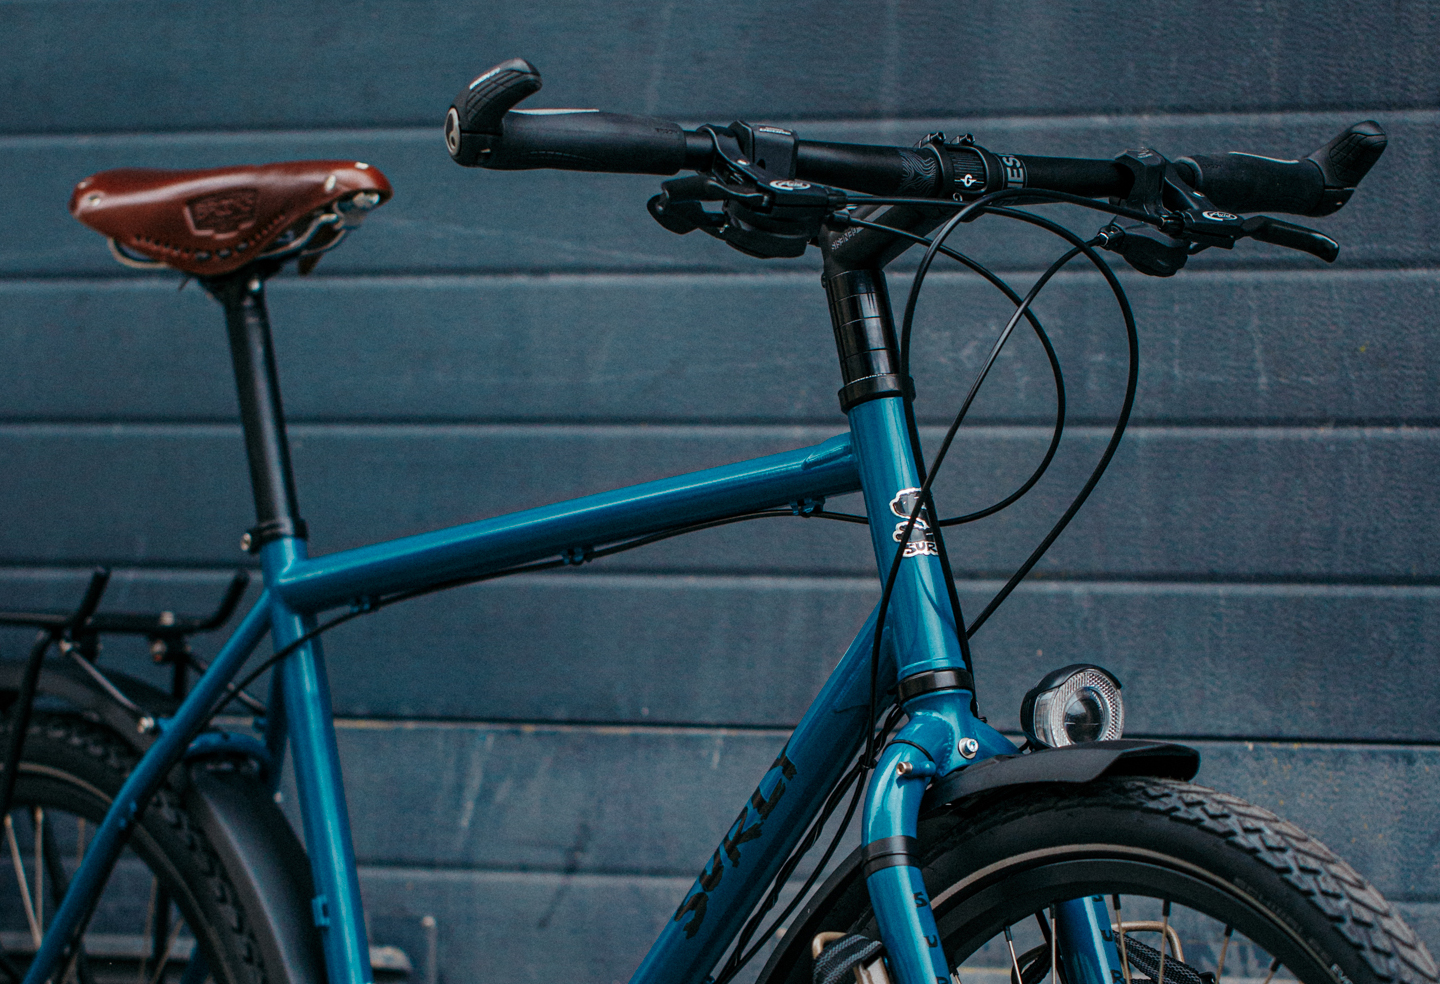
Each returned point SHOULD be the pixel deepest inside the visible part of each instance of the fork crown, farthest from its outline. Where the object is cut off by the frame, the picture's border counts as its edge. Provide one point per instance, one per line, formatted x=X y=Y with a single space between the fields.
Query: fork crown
x=927 y=746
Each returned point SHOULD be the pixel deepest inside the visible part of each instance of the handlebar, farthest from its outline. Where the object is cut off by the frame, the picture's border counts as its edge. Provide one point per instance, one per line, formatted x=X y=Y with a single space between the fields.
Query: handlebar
x=483 y=129
x=1188 y=197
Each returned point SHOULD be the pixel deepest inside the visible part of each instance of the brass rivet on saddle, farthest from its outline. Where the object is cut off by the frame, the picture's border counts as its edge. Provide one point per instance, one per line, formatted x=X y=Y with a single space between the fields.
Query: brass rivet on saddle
x=330 y=183
x=361 y=166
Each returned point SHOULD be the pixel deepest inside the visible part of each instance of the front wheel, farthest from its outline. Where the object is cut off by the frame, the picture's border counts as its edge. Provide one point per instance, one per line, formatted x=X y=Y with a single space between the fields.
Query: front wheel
x=1226 y=891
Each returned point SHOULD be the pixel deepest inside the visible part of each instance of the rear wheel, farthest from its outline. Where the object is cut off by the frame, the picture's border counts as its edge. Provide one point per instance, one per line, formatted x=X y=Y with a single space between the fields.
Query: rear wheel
x=1225 y=890
x=168 y=912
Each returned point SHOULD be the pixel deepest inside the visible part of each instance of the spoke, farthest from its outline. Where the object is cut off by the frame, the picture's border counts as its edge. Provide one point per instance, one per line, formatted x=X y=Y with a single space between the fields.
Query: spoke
x=19 y=865
x=1165 y=939
x=1120 y=932
x=37 y=820
x=1047 y=933
x=164 y=958
x=1274 y=966
x=149 y=928
x=1054 y=935
x=1225 y=946
x=1014 y=961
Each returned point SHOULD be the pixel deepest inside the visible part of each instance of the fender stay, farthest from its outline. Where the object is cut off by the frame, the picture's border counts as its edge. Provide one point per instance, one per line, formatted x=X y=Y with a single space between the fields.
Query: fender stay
x=69 y=684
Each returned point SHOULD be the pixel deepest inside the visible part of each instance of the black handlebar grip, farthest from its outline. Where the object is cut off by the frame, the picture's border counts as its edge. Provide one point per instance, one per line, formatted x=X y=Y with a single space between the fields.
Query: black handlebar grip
x=1348 y=158
x=1250 y=183
x=1317 y=185
x=1278 y=233
x=482 y=130
x=476 y=117
x=587 y=140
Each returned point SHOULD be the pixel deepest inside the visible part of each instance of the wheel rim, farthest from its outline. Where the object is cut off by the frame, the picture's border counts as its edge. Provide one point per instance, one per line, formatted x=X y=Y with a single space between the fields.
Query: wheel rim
x=1209 y=925
x=138 y=933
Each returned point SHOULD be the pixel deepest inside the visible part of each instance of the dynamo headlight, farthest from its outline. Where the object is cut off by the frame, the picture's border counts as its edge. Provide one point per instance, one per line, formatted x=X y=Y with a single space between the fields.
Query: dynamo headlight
x=1073 y=704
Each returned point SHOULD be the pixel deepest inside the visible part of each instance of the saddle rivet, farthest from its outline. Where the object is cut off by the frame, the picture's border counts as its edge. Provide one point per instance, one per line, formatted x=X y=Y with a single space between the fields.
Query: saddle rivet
x=330 y=183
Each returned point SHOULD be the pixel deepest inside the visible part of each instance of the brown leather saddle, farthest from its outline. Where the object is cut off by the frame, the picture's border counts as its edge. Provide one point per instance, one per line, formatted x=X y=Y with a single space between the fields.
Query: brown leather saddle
x=211 y=222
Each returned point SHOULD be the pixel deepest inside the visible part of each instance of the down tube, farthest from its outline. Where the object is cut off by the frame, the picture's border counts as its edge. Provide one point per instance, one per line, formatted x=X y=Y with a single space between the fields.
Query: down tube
x=770 y=823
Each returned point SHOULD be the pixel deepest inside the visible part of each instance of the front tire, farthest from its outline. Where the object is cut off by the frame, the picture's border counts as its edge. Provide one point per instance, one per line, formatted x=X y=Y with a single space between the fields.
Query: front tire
x=1252 y=897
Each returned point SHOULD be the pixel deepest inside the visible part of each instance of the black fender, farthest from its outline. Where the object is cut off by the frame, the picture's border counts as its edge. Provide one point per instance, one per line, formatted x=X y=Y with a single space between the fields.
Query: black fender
x=72 y=686
x=266 y=864
x=226 y=798
x=842 y=898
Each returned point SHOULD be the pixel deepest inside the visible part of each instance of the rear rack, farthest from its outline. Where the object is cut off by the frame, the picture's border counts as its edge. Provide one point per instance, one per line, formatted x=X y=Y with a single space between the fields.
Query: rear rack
x=77 y=634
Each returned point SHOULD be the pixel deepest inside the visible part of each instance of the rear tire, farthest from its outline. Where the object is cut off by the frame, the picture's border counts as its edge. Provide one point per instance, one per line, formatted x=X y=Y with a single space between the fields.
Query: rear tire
x=70 y=771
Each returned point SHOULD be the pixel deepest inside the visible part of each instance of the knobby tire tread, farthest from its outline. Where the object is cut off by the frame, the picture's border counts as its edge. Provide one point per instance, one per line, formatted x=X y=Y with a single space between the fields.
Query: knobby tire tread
x=1361 y=915
x=170 y=826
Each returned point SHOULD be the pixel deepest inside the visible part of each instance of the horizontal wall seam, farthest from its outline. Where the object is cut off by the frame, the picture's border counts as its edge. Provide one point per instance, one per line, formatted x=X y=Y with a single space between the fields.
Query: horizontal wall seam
x=641 y=425
x=643 y=729
x=801 y=432
x=1228 y=586
x=122 y=280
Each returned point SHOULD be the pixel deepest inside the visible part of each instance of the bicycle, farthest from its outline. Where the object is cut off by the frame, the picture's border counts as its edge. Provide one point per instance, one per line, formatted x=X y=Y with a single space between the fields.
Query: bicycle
x=966 y=839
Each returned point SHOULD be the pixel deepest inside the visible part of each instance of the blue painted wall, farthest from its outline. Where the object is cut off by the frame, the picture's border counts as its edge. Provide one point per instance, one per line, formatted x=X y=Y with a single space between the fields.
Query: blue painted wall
x=542 y=763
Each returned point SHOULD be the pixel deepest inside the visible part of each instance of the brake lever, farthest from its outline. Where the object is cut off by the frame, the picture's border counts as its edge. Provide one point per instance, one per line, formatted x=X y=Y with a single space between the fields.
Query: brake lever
x=1292 y=236
x=1213 y=227
x=678 y=207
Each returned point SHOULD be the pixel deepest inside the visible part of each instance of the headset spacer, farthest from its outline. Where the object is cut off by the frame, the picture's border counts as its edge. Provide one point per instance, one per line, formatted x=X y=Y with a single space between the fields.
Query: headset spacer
x=932 y=680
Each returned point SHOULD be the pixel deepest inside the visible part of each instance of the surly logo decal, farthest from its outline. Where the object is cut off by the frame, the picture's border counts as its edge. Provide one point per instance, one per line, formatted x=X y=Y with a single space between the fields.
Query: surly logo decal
x=922 y=540
x=746 y=828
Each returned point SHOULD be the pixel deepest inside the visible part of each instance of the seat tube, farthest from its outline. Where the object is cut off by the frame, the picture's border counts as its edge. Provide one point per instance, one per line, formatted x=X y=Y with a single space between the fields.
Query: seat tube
x=336 y=907
x=300 y=692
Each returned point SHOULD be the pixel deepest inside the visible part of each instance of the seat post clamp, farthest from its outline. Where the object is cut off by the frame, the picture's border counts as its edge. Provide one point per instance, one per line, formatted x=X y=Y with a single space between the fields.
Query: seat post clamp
x=272 y=529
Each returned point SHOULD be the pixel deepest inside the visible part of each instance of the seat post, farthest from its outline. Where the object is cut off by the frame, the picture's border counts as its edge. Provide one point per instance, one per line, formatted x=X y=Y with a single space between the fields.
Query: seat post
x=262 y=416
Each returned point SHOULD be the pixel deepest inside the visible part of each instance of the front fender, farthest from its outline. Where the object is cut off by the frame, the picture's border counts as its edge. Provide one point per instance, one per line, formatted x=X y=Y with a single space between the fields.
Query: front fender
x=843 y=897
x=1072 y=764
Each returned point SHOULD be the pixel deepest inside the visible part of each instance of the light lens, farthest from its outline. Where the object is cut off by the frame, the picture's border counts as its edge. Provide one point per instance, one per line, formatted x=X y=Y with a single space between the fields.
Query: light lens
x=1073 y=705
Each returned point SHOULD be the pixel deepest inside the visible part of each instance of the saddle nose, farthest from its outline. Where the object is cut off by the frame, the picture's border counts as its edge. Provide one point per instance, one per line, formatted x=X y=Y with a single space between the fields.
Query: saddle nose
x=213 y=221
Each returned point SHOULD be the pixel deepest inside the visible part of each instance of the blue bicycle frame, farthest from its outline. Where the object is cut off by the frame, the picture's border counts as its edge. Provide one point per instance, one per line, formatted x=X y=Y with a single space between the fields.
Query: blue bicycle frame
x=920 y=641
